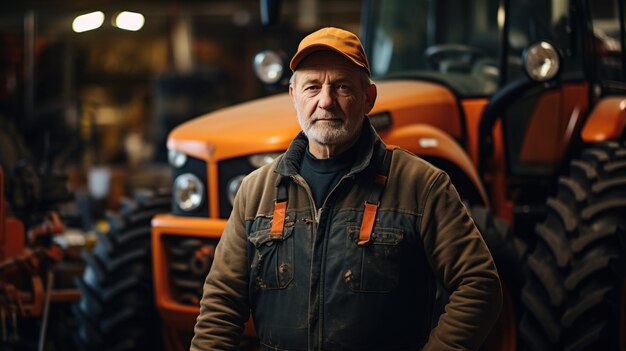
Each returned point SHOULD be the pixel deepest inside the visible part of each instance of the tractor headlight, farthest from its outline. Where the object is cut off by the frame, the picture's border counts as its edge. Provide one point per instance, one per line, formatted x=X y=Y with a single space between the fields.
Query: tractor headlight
x=176 y=159
x=260 y=160
x=232 y=188
x=542 y=61
x=256 y=161
x=188 y=192
x=269 y=67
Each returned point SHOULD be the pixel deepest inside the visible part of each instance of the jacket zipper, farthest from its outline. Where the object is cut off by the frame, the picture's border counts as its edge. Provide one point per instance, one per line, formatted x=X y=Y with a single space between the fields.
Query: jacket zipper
x=317 y=213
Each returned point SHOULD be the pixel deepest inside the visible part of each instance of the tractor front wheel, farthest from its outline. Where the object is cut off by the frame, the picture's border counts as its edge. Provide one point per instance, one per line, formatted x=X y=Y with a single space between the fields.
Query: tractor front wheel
x=574 y=297
x=116 y=310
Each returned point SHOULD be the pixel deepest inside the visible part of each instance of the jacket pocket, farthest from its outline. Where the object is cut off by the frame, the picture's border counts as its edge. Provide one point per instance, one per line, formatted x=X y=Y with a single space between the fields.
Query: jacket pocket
x=272 y=261
x=374 y=266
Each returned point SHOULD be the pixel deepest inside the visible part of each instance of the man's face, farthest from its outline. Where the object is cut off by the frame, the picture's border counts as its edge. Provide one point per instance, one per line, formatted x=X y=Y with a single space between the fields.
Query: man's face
x=330 y=99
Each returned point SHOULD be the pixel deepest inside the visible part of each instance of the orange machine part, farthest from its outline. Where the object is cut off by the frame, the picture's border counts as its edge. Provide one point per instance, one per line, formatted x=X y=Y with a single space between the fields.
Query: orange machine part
x=175 y=315
x=496 y=177
x=473 y=109
x=552 y=124
x=427 y=140
x=265 y=124
x=214 y=201
x=541 y=140
x=607 y=121
x=412 y=102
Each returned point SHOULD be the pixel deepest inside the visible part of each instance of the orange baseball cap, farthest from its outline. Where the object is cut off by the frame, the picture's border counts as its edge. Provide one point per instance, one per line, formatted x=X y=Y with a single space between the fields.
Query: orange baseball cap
x=335 y=39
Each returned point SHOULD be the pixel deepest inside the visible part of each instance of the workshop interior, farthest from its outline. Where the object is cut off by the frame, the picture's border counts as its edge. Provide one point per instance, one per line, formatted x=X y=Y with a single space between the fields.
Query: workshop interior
x=127 y=127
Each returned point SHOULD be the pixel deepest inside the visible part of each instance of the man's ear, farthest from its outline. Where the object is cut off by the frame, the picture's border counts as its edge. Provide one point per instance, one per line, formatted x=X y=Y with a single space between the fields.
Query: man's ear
x=293 y=99
x=370 y=97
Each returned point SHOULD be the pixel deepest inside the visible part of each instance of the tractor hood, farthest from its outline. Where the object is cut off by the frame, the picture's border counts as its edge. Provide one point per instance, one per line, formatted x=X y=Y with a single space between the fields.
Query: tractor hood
x=269 y=124
x=263 y=125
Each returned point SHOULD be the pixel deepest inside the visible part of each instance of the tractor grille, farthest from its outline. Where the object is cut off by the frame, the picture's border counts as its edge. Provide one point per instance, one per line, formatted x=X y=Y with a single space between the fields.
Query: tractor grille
x=190 y=260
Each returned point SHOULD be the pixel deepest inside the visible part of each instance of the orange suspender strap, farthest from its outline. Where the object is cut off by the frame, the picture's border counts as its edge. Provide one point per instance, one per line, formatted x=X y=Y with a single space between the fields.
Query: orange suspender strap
x=280 y=209
x=373 y=201
x=367 y=224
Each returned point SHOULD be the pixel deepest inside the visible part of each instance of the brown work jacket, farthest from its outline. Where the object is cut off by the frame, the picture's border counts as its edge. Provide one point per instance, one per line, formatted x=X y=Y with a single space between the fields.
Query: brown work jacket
x=317 y=287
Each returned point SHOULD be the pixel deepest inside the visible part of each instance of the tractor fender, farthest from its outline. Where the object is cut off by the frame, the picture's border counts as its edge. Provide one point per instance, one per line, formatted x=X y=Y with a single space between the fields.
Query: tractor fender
x=607 y=120
x=434 y=144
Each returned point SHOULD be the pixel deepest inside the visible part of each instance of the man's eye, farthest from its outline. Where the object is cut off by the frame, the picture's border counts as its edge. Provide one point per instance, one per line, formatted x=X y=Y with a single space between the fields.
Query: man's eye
x=343 y=88
x=310 y=87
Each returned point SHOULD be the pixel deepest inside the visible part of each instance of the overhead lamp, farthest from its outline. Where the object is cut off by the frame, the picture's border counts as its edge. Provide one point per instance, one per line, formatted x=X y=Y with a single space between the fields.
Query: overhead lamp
x=89 y=21
x=127 y=20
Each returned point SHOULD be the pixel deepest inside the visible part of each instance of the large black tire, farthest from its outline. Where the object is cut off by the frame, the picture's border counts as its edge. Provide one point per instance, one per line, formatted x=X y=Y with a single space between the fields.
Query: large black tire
x=595 y=285
x=117 y=310
x=574 y=293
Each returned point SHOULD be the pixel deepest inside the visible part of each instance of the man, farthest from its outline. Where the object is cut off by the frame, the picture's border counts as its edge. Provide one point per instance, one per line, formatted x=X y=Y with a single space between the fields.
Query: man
x=339 y=244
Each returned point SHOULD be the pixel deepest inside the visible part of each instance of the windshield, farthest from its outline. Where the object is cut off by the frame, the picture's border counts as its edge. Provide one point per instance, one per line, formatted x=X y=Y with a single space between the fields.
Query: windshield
x=611 y=65
x=427 y=38
x=457 y=42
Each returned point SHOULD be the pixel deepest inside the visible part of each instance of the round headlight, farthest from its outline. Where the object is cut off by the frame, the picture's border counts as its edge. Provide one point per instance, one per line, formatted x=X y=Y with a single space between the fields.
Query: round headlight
x=268 y=66
x=260 y=160
x=542 y=61
x=177 y=159
x=232 y=187
x=188 y=192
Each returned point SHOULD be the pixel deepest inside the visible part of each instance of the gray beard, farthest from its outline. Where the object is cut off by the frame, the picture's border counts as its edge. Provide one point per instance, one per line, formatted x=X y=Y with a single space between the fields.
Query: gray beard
x=328 y=133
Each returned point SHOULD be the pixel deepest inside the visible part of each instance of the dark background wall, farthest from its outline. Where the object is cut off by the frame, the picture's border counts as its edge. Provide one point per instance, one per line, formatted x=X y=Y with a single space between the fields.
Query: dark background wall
x=110 y=96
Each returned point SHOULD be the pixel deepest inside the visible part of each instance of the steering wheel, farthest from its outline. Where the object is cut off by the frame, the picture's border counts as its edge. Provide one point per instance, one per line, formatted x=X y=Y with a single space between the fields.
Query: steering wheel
x=452 y=57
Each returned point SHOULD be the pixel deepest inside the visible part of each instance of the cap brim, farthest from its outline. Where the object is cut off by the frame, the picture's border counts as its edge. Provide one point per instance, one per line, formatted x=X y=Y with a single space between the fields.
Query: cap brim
x=304 y=53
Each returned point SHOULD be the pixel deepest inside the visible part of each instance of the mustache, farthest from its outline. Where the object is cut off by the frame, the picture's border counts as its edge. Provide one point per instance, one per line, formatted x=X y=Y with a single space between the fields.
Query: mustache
x=325 y=115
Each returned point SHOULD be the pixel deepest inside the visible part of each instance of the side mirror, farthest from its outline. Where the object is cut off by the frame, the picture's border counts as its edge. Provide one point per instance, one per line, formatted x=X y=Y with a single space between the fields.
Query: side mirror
x=542 y=61
x=270 y=12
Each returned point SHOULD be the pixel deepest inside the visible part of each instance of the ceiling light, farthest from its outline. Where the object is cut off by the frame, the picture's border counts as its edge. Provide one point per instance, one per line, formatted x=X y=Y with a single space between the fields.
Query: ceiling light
x=132 y=21
x=89 y=21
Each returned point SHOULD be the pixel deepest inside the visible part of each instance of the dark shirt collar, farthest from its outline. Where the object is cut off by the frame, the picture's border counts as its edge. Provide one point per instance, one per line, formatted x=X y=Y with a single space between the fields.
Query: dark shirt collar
x=336 y=163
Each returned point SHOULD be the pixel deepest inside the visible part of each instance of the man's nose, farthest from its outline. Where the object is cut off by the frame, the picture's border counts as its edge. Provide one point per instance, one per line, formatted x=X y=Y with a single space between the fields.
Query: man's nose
x=326 y=98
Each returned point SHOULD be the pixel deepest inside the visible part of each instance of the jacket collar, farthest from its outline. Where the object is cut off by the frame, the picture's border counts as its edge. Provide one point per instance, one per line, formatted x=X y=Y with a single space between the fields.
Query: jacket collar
x=369 y=141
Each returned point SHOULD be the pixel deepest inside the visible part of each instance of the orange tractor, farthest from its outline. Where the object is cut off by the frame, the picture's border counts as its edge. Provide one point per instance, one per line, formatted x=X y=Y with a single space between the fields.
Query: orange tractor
x=522 y=102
